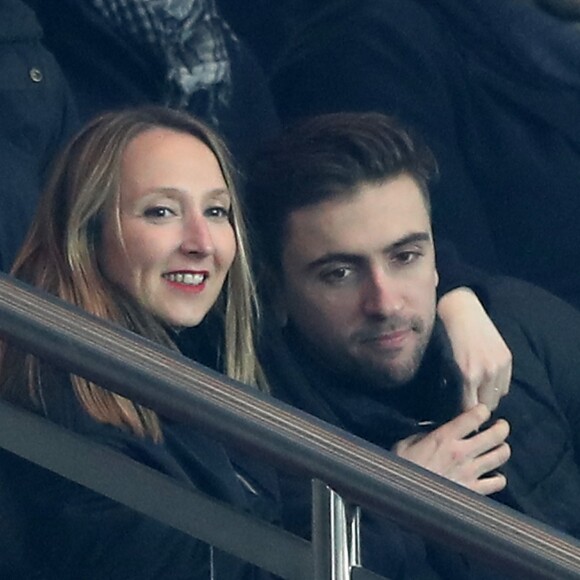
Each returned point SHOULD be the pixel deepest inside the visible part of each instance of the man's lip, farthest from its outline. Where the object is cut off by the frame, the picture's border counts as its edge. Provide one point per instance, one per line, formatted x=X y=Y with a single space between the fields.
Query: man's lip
x=392 y=337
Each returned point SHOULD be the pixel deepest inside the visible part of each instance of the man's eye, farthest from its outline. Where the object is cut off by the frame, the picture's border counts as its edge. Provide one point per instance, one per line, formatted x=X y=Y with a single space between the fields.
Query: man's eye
x=158 y=211
x=407 y=257
x=337 y=275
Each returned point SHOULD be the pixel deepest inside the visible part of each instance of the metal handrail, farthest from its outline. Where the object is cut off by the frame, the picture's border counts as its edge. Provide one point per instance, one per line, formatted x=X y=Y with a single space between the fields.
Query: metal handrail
x=153 y=494
x=254 y=422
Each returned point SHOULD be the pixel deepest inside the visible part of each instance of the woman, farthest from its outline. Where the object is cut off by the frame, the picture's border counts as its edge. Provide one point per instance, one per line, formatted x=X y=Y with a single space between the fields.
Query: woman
x=139 y=224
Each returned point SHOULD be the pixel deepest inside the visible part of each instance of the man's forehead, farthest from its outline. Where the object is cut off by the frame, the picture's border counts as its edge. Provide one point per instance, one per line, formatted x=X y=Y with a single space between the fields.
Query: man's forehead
x=376 y=216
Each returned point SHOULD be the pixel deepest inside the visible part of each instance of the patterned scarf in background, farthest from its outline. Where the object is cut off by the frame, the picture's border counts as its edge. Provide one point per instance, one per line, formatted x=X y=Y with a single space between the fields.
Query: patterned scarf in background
x=189 y=36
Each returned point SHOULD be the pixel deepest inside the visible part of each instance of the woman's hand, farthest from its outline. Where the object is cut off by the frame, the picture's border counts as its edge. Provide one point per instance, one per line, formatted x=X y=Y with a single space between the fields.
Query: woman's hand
x=479 y=350
x=469 y=461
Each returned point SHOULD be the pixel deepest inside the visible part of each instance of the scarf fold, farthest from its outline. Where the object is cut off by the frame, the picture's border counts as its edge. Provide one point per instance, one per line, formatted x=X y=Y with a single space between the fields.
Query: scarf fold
x=188 y=36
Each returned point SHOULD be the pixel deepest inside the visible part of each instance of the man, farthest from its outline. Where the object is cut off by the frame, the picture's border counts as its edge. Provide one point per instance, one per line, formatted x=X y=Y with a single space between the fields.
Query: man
x=342 y=208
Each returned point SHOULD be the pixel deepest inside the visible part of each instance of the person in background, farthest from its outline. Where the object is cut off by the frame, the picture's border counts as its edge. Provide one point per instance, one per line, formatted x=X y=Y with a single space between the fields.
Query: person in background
x=37 y=115
x=341 y=207
x=181 y=54
x=493 y=86
x=139 y=224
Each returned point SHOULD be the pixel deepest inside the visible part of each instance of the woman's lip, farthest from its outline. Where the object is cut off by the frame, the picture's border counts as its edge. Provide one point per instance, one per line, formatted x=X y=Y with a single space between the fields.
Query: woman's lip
x=185 y=271
x=190 y=288
x=193 y=281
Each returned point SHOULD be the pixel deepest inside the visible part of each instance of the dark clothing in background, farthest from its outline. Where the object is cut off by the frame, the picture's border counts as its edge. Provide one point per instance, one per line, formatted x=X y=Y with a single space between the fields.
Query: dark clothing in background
x=36 y=116
x=542 y=407
x=493 y=86
x=75 y=533
x=112 y=64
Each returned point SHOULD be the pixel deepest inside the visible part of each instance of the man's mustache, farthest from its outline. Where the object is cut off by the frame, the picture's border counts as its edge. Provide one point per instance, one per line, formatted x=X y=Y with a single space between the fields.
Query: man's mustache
x=396 y=323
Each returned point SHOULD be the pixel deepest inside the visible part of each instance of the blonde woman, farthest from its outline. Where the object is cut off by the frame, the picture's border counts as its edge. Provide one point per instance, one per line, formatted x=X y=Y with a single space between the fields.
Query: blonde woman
x=139 y=224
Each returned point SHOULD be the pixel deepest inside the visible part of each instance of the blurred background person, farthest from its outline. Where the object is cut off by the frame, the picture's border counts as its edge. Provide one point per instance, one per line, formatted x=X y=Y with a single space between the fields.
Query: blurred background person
x=36 y=115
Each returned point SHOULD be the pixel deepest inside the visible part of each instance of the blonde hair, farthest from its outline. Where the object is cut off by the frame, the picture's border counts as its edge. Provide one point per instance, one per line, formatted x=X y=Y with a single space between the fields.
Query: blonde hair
x=60 y=252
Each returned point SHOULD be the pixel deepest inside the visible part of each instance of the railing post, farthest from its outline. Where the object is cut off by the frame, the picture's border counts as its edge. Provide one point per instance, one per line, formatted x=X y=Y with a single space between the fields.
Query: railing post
x=353 y=515
x=335 y=534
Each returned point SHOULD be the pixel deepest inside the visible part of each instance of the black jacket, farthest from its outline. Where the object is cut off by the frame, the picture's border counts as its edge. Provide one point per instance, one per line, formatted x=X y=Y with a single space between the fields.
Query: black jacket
x=543 y=406
x=543 y=409
x=107 y=70
x=75 y=533
x=493 y=86
x=36 y=115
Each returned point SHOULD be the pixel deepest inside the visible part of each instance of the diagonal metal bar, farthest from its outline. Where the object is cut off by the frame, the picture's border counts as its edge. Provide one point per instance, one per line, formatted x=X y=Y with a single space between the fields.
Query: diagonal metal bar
x=288 y=438
x=153 y=494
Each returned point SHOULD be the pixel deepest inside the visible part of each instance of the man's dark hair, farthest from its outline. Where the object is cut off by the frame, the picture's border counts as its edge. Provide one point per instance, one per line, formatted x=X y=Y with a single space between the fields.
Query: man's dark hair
x=325 y=157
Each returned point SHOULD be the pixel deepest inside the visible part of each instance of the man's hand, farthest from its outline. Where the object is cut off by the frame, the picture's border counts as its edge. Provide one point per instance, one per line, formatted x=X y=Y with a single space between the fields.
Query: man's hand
x=479 y=350
x=449 y=451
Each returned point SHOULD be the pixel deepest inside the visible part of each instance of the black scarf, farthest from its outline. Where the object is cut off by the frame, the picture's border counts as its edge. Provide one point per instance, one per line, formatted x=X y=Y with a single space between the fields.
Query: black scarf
x=383 y=418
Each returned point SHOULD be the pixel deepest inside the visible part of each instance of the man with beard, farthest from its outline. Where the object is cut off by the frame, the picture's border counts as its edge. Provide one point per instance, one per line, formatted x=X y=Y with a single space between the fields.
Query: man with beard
x=342 y=209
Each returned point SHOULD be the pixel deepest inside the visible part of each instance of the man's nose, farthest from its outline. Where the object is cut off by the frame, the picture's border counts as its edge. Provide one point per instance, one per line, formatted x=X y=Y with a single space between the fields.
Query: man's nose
x=197 y=236
x=382 y=295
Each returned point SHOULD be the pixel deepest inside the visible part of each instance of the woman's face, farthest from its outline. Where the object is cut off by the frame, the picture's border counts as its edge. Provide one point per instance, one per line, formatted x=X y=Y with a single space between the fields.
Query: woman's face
x=173 y=244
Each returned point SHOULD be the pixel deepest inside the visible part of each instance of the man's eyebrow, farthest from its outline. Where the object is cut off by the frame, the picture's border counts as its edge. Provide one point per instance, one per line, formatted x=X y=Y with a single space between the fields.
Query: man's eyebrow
x=330 y=258
x=409 y=239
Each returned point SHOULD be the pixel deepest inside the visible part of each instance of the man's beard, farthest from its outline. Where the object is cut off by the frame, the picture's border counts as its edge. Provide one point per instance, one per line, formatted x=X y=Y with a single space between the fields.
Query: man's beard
x=380 y=375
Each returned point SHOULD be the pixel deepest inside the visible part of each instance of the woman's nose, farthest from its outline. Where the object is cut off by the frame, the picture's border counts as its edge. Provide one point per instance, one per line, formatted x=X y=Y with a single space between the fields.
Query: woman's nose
x=197 y=238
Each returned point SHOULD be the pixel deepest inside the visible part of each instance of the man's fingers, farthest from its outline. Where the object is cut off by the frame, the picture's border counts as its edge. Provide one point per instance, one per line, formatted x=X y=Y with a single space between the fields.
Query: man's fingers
x=489 y=439
x=465 y=424
x=490 y=484
x=491 y=460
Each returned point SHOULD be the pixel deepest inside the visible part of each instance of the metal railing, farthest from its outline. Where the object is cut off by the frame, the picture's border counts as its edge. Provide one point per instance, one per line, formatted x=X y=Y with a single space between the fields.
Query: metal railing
x=289 y=439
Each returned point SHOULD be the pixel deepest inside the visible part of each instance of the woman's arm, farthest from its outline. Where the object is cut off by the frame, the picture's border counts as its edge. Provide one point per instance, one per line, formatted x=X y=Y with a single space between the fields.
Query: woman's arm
x=483 y=357
x=479 y=350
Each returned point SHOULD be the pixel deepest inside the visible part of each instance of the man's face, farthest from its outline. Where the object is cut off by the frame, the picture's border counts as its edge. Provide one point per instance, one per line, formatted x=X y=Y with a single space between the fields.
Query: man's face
x=359 y=280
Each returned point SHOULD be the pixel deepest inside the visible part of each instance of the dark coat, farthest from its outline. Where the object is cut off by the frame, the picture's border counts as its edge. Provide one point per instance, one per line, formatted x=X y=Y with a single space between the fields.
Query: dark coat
x=543 y=408
x=36 y=116
x=75 y=533
x=107 y=70
x=493 y=86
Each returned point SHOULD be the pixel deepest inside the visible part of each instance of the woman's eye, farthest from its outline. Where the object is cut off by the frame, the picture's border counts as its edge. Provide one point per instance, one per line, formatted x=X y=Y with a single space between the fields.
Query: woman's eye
x=218 y=212
x=158 y=211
